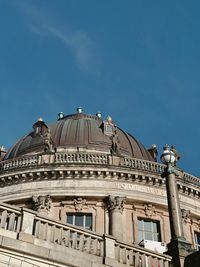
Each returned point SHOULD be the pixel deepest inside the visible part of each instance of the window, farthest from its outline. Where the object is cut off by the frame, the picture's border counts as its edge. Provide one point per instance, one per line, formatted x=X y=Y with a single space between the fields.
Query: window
x=197 y=240
x=80 y=219
x=149 y=230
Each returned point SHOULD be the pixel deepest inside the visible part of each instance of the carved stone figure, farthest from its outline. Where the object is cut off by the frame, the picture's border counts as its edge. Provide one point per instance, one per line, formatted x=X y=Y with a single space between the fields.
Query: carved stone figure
x=185 y=215
x=149 y=210
x=48 y=142
x=79 y=203
x=42 y=204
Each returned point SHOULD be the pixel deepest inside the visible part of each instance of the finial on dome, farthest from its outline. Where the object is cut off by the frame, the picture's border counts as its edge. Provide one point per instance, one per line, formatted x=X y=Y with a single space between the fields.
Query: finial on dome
x=79 y=109
x=61 y=115
x=2 y=148
x=99 y=114
x=40 y=119
x=109 y=119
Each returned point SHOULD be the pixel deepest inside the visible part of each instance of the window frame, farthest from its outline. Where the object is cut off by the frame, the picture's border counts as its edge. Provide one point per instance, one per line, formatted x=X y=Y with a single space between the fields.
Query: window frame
x=196 y=244
x=84 y=214
x=151 y=231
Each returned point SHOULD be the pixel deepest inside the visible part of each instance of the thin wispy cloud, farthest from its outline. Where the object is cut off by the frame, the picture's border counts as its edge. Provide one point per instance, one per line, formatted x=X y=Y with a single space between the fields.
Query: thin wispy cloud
x=80 y=44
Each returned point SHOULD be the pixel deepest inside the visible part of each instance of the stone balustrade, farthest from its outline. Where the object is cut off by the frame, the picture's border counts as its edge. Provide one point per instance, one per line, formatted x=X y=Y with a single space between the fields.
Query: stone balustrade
x=137 y=256
x=33 y=228
x=10 y=218
x=90 y=159
x=81 y=158
x=68 y=236
x=19 y=162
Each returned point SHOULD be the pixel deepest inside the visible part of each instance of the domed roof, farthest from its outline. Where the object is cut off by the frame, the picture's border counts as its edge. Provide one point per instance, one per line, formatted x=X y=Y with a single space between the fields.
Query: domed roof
x=82 y=132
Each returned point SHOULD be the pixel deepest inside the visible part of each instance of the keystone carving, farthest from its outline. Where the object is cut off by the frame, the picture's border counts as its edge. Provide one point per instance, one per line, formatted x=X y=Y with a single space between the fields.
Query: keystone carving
x=79 y=203
x=42 y=204
x=185 y=215
x=149 y=210
x=116 y=203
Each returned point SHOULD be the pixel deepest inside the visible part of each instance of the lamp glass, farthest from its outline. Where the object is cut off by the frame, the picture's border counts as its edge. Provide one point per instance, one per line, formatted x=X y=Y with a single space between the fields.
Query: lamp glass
x=168 y=157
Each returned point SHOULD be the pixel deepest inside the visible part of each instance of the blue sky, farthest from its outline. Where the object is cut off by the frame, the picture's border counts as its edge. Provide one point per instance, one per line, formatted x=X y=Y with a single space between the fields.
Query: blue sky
x=138 y=61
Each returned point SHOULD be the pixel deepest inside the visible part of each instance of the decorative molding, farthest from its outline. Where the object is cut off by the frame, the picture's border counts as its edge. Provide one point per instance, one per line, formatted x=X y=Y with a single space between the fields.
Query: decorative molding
x=92 y=158
x=30 y=168
x=149 y=210
x=42 y=204
x=116 y=203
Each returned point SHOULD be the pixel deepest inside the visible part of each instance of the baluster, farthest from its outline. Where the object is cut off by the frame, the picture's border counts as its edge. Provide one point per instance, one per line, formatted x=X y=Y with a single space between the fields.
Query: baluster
x=166 y=264
x=66 y=238
x=40 y=234
x=143 y=260
x=95 y=246
x=130 y=258
x=57 y=235
x=36 y=230
x=88 y=244
x=81 y=242
x=53 y=228
x=18 y=223
x=74 y=240
x=123 y=255
x=156 y=262
x=48 y=236
x=101 y=248
x=3 y=219
x=150 y=261
x=161 y=263
x=117 y=253
x=137 y=259
x=11 y=222
x=45 y=229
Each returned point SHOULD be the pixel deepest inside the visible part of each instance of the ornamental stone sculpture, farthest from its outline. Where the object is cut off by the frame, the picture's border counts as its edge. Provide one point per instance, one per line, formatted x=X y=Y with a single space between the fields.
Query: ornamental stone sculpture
x=116 y=203
x=42 y=204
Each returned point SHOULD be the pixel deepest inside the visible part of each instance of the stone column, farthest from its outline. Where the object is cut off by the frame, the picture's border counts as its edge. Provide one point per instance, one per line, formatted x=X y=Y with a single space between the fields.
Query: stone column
x=174 y=207
x=116 y=207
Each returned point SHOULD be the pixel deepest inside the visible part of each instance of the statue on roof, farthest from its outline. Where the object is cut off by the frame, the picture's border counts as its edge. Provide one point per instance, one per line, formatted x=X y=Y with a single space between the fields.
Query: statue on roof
x=48 y=142
x=115 y=147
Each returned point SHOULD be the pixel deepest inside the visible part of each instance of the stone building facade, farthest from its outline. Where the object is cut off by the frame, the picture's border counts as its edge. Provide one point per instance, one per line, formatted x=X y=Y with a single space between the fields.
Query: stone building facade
x=83 y=192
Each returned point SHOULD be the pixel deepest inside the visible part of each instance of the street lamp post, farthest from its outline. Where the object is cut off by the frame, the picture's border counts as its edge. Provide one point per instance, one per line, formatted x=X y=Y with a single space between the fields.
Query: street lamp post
x=178 y=247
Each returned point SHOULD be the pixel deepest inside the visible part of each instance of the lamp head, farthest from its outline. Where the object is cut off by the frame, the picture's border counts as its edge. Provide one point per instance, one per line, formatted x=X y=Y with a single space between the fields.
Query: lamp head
x=169 y=156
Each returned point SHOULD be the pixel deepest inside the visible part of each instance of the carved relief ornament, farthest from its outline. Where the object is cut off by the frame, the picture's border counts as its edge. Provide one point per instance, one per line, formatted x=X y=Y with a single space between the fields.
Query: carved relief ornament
x=149 y=210
x=116 y=203
x=42 y=204
x=185 y=215
x=79 y=203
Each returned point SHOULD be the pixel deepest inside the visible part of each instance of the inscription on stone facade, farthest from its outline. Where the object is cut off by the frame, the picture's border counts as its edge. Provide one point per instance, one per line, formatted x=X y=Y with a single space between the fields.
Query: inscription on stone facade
x=135 y=187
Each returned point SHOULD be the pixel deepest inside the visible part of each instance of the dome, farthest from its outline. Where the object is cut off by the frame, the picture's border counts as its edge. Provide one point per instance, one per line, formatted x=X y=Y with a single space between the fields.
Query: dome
x=80 y=132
